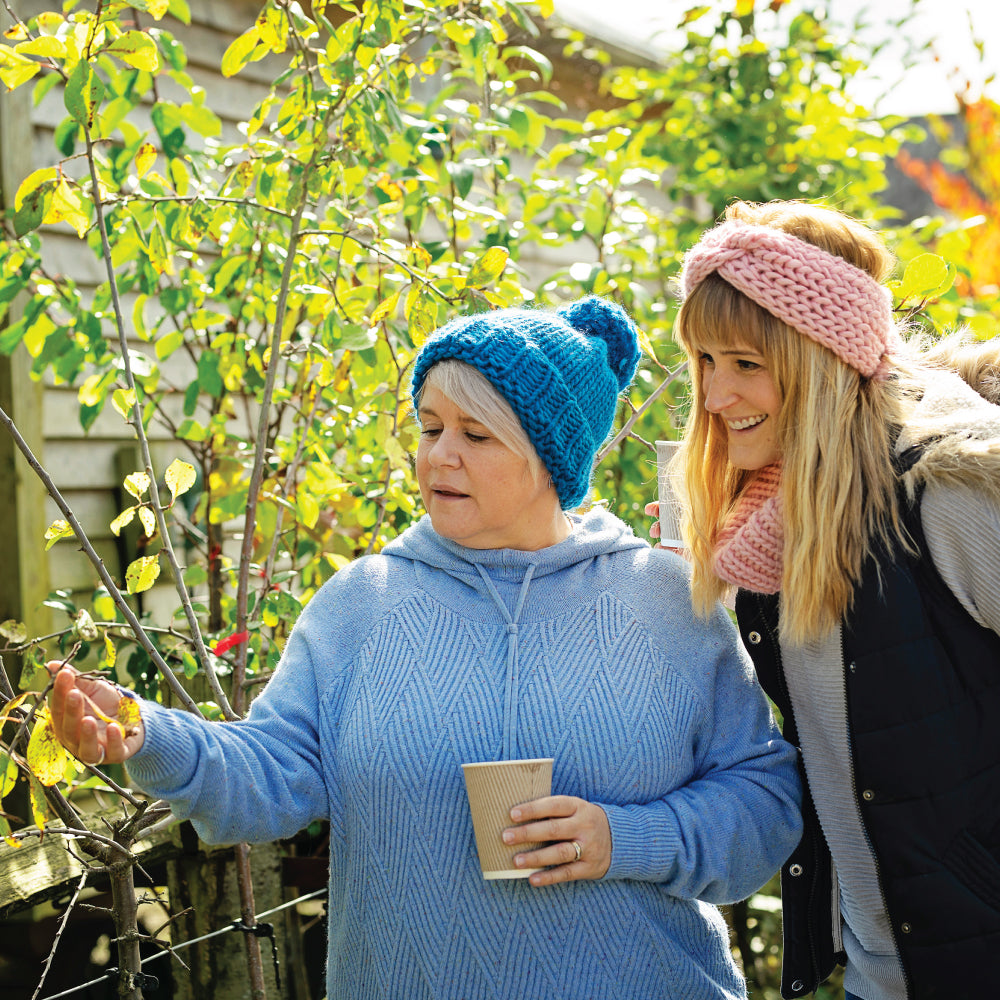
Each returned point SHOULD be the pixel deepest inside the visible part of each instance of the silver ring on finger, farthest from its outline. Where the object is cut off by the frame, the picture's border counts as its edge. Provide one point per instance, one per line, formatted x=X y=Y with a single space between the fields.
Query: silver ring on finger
x=576 y=847
x=100 y=760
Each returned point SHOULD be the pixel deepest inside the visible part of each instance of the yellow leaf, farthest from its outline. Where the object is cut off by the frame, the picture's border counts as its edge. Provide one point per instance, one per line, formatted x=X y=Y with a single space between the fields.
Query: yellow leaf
x=385 y=308
x=124 y=518
x=142 y=574
x=67 y=206
x=90 y=393
x=148 y=519
x=137 y=483
x=39 y=807
x=123 y=400
x=145 y=158
x=239 y=52
x=744 y=7
x=8 y=774
x=8 y=834
x=488 y=268
x=33 y=181
x=137 y=49
x=129 y=715
x=45 y=46
x=180 y=477
x=15 y=69
x=110 y=652
x=46 y=755
x=55 y=531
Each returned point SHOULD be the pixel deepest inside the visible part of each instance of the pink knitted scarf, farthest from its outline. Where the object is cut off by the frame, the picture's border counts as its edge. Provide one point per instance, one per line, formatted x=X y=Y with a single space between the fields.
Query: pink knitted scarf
x=749 y=550
x=817 y=293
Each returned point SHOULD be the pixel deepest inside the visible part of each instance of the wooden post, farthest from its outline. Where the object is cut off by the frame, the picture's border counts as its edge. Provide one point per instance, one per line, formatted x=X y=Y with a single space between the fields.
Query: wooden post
x=24 y=584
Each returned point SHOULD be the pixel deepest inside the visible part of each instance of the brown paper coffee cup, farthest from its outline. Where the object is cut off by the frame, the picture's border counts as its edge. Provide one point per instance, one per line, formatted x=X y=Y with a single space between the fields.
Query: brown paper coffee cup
x=494 y=788
x=670 y=508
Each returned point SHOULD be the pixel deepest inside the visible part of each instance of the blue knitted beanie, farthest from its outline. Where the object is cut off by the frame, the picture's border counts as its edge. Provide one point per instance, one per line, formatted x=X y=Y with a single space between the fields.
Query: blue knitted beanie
x=560 y=371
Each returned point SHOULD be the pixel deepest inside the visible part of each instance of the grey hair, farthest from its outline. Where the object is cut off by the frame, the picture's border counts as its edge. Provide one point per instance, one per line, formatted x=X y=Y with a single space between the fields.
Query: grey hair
x=473 y=393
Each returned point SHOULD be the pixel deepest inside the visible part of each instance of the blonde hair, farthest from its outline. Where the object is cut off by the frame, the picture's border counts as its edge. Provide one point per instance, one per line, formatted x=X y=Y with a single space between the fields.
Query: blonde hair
x=473 y=393
x=835 y=433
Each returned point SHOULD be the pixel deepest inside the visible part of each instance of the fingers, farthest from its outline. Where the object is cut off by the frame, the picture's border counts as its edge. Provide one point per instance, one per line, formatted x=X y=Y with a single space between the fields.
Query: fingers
x=575 y=835
x=82 y=713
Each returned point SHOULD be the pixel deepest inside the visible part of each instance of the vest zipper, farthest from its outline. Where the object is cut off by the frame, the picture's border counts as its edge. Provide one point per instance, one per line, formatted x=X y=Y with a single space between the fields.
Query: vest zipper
x=864 y=824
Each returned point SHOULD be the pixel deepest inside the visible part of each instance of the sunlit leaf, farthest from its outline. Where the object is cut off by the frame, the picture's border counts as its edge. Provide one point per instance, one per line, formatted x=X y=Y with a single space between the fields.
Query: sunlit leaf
x=137 y=49
x=46 y=46
x=145 y=157
x=180 y=477
x=110 y=651
x=123 y=400
x=46 y=755
x=125 y=518
x=128 y=716
x=67 y=206
x=39 y=805
x=8 y=774
x=142 y=573
x=57 y=530
x=148 y=519
x=8 y=834
x=14 y=631
x=16 y=69
x=239 y=52
x=137 y=483
x=488 y=268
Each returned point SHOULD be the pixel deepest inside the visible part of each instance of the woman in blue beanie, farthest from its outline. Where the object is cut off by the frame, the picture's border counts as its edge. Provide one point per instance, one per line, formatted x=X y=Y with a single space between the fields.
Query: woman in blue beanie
x=500 y=626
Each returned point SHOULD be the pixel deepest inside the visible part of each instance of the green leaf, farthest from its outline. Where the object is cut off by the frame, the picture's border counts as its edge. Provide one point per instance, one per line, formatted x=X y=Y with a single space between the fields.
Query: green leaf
x=83 y=94
x=34 y=207
x=14 y=631
x=926 y=276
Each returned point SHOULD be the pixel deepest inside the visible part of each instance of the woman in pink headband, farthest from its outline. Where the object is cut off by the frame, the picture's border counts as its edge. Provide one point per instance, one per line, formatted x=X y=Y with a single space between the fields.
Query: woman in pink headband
x=848 y=486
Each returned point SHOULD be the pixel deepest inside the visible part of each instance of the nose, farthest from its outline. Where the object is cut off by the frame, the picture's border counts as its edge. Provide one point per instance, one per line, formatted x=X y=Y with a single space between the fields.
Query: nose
x=718 y=389
x=442 y=452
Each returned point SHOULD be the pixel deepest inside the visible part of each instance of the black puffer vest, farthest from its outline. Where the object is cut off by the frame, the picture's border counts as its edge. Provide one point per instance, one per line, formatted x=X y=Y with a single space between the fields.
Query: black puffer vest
x=923 y=708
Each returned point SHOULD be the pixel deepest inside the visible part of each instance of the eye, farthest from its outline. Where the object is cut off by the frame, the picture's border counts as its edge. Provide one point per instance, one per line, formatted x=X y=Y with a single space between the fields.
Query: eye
x=705 y=358
x=476 y=438
x=747 y=366
x=430 y=432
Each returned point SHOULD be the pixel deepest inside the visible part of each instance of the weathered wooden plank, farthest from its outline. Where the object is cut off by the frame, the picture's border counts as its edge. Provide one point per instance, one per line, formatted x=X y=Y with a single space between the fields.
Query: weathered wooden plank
x=42 y=869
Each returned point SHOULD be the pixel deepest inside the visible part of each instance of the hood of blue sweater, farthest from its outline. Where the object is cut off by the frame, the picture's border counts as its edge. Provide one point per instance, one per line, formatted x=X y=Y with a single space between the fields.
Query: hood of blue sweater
x=595 y=534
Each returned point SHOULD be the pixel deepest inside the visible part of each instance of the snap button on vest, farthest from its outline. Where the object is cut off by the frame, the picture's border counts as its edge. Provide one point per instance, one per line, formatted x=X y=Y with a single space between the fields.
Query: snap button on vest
x=905 y=928
x=795 y=870
x=798 y=985
x=868 y=795
x=754 y=637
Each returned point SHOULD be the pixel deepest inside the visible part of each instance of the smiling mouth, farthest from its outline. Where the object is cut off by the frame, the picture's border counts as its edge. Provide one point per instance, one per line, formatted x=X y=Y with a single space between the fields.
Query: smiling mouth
x=449 y=494
x=746 y=423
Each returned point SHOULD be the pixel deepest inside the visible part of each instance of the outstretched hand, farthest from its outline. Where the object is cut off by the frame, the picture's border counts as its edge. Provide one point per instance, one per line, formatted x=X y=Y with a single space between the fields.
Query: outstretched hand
x=567 y=822
x=89 y=720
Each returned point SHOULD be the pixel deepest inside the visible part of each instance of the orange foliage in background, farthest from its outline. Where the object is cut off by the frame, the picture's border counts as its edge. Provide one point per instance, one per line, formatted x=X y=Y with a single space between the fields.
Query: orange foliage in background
x=971 y=195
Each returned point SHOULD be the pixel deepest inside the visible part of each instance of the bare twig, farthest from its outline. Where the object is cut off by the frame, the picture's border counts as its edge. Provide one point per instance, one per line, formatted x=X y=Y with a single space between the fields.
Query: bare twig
x=59 y=933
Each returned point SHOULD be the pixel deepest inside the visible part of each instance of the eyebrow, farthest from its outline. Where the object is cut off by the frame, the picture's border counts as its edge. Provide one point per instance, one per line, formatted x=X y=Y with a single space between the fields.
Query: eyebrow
x=428 y=412
x=741 y=352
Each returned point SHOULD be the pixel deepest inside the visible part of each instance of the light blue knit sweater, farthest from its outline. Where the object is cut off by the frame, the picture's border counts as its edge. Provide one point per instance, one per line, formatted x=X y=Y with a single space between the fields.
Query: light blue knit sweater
x=411 y=662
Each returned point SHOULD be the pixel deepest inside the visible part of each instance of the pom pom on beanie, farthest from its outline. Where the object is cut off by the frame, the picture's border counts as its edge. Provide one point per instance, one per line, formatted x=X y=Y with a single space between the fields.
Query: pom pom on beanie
x=561 y=372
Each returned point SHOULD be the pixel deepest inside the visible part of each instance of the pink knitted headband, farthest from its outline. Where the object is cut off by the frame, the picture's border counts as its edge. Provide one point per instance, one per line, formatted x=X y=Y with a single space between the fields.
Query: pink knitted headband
x=817 y=293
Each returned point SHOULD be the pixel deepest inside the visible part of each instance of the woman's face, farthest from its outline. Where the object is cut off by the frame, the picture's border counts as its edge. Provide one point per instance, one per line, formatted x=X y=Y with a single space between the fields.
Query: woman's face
x=739 y=389
x=477 y=491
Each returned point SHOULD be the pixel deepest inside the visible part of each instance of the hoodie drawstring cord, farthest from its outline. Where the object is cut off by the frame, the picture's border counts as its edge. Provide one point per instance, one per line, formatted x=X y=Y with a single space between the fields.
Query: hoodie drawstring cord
x=509 y=750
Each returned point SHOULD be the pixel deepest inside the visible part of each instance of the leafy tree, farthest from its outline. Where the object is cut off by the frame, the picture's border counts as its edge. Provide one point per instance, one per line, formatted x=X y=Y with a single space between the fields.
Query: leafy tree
x=265 y=293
